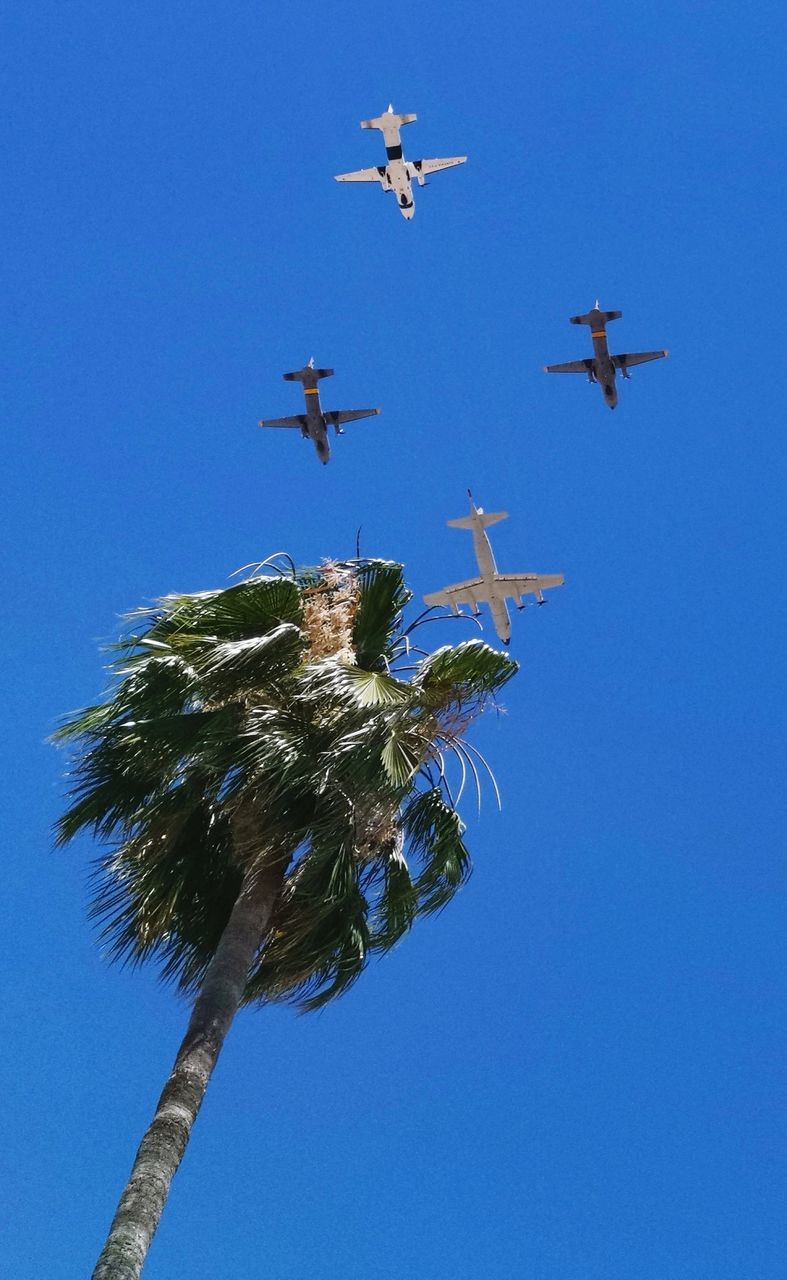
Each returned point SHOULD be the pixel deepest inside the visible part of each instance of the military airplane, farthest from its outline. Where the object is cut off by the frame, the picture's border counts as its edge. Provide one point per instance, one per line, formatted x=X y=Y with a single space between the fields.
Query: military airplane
x=398 y=174
x=491 y=587
x=314 y=423
x=601 y=366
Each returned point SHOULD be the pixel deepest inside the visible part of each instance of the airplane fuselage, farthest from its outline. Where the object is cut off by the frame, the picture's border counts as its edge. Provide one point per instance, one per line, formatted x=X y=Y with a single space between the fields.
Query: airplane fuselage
x=603 y=368
x=399 y=180
x=396 y=172
x=487 y=568
x=316 y=428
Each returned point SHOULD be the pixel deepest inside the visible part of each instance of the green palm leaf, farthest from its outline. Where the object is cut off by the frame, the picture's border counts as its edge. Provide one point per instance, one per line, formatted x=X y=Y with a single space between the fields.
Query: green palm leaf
x=471 y=667
x=383 y=596
x=400 y=758
x=374 y=688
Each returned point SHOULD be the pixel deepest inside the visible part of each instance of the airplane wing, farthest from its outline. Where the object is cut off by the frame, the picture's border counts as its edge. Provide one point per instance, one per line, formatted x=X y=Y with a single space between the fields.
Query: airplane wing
x=377 y=174
x=337 y=416
x=522 y=584
x=421 y=168
x=636 y=357
x=573 y=366
x=469 y=592
x=298 y=420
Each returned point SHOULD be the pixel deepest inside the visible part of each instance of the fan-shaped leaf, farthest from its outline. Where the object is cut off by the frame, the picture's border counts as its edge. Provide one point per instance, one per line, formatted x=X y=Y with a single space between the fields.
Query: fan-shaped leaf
x=471 y=665
x=375 y=689
x=383 y=596
x=400 y=759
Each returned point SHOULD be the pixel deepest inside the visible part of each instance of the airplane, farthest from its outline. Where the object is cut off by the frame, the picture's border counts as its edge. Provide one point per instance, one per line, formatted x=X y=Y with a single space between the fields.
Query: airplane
x=397 y=175
x=491 y=587
x=314 y=423
x=601 y=366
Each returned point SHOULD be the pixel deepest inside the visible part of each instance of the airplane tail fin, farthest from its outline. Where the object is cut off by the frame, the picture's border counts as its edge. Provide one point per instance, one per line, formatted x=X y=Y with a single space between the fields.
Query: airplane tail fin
x=387 y=120
x=478 y=517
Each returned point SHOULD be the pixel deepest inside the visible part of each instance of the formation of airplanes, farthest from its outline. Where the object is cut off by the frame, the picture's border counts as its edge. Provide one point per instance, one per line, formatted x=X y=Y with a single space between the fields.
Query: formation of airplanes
x=489 y=586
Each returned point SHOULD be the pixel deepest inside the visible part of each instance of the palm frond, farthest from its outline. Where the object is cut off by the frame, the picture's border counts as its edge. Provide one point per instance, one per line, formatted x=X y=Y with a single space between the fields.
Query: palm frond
x=375 y=688
x=397 y=907
x=319 y=937
x=247 y=609
x=400 y=758
x=435 y=831
x=472 y=666
x=233 y=668
x=383 y=597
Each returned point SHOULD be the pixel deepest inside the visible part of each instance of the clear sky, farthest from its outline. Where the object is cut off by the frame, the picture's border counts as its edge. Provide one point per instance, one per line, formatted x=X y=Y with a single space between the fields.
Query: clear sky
x=571 y=1074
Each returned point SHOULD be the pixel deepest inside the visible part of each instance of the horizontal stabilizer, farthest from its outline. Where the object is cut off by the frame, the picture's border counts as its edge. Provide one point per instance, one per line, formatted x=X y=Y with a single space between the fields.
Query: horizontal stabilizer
x=593 y=317
x=304 y=375
x=479 y=517
x=388 y=120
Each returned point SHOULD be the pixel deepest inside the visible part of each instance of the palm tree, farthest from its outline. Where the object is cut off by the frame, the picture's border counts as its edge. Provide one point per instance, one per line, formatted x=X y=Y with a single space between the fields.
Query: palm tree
x=269 y=767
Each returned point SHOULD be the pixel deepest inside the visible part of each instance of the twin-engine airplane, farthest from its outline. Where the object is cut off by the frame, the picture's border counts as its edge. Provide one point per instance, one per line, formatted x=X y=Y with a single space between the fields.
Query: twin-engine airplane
x=397 y=175
x=601 y=366
x=491 y=587
x=314 y=423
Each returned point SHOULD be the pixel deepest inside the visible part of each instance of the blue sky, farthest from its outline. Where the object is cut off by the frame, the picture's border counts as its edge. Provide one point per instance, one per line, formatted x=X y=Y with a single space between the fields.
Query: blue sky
x=571 y=1074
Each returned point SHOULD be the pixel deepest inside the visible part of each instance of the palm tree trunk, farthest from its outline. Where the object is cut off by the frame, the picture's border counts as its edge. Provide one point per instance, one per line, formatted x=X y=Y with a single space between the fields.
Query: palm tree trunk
x=164 y=1143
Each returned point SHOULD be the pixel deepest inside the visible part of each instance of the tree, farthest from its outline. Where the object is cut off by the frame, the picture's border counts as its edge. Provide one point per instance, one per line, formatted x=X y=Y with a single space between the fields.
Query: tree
x=268 y=768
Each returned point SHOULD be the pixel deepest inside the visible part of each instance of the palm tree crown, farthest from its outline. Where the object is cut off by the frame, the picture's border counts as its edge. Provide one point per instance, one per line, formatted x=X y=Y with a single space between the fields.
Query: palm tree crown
x=287 y=720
